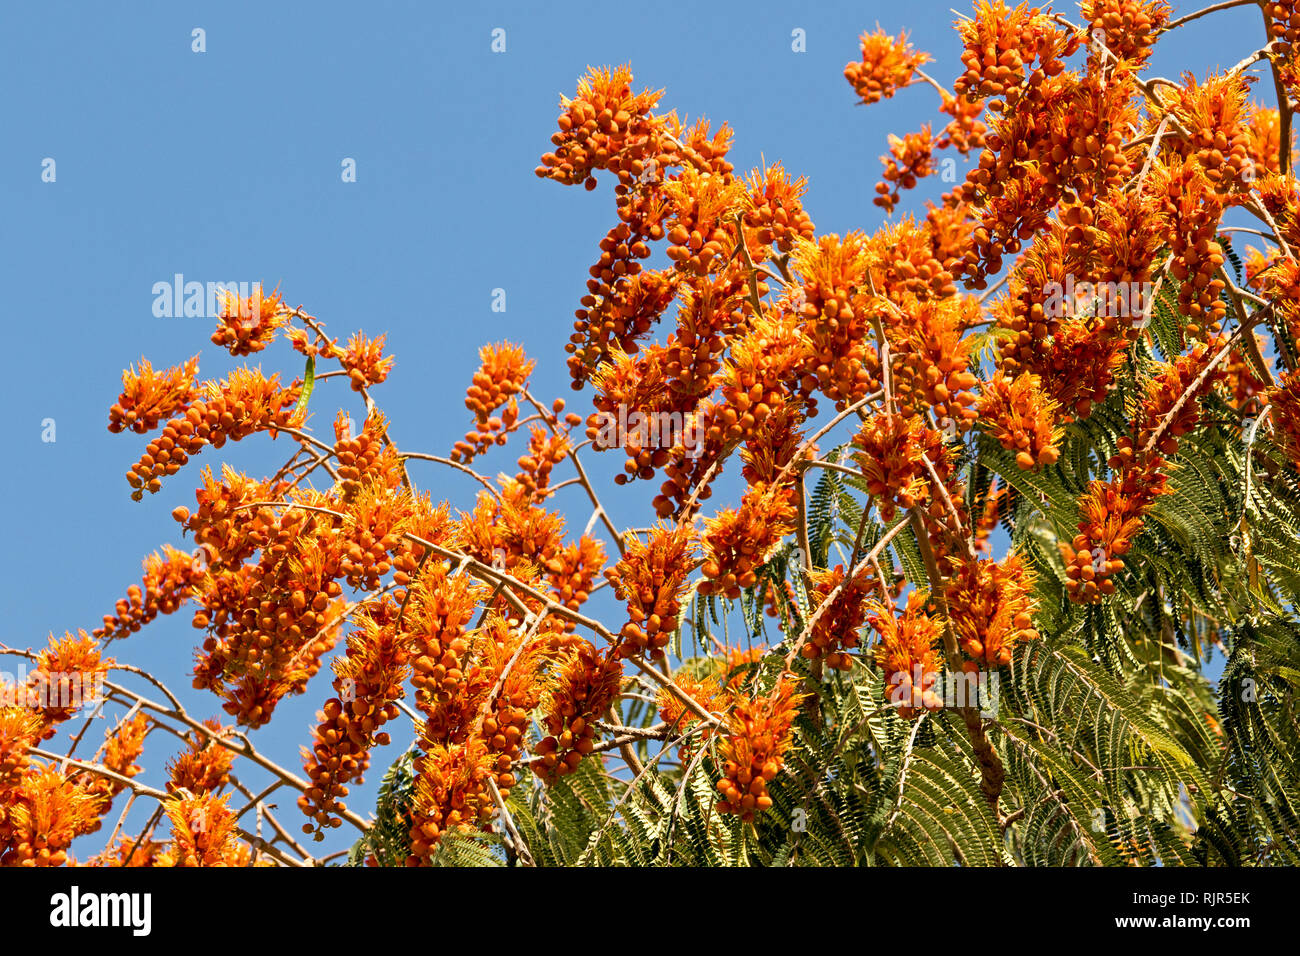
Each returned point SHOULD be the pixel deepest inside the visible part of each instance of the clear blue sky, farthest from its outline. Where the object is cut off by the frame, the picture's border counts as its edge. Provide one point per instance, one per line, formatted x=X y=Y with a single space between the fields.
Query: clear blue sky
x=226 y=165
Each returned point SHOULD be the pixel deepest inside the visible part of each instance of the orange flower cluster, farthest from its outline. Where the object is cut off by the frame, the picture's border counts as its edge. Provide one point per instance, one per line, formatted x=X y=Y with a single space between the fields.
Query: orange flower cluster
x=905 y=259
x=148 y=396
x=1264 y=138
x=572 y=572
x=205 y=766
x=44 y=814
x=701 y=203
x=249 y=325
x=835 y=318
x=610 y=325
x=1113 y=511
x=738 y=541
x=511 y=534
x=1194 y=210
x=910 y=158
x=502 y=375
x=69 y=675
x=586 y=683
x=892 y=456
x=204 y=833
x=964 y=132
x=1215 y=115
x=888 y=64
x=546 y=449
x=166 y=585
x=835 y=632
x=450 y=792
x=1098 y=184
x=758 y=735
x=1285 y=399
x=931 y=359
x=755 y=379
x=651 y=578
x=606 y=126
x=773 y=207
x=366 y=457
x=1052 y=330
x=231 y=411
x=1022 y=417
x=1002 y=46
x=681 y=719
x=990 y=607
x=1129 y=26
x=364 y=361
x=907 y=655
x=477 y=717
x=368 y=683
x=272 y=619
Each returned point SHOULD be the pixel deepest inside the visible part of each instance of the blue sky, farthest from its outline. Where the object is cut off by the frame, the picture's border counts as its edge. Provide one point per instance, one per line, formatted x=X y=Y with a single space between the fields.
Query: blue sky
x=225 y=165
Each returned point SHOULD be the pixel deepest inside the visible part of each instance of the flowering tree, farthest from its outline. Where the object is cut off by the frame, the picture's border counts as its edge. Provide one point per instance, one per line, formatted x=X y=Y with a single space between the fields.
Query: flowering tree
x=1007 y=469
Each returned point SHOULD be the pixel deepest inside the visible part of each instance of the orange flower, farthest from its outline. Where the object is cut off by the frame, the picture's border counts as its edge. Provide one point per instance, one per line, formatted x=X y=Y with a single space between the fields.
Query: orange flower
x=1002 y=46
x=46 y=812
x=680 y=718
x=606 y=126
x=931 y=360
x=651 y=578
x=573 y=570
x=365 y=361
x=1194 y=209
x=1215 y=115
x=758 y=734
x=887 y=65
x=755 y=379
x=892 y=458
x=368 y=682
x=69 y=675
x=249 y=325
x=703 y=205
x=1022 y=418
x=451 y=793
x=366 y=457
x=907 y=655
x=148 y=396
x=834 y=319
x=246 y=403
x=737 y=542
x=773 y=207
x=1129 y=26
x=1264 y=138
x=1285 y=399
x=168 y=579
x=586 y=683
x=910 y=158
x=836 y=631
x=990 y=605
x=203 y=832
x=502 y=375
x=1112 y=511
x=205 y=767
x=20 y=728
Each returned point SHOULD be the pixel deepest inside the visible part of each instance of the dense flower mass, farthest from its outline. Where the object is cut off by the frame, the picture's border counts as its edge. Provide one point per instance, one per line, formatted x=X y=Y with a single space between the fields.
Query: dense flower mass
x=1043 y=430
